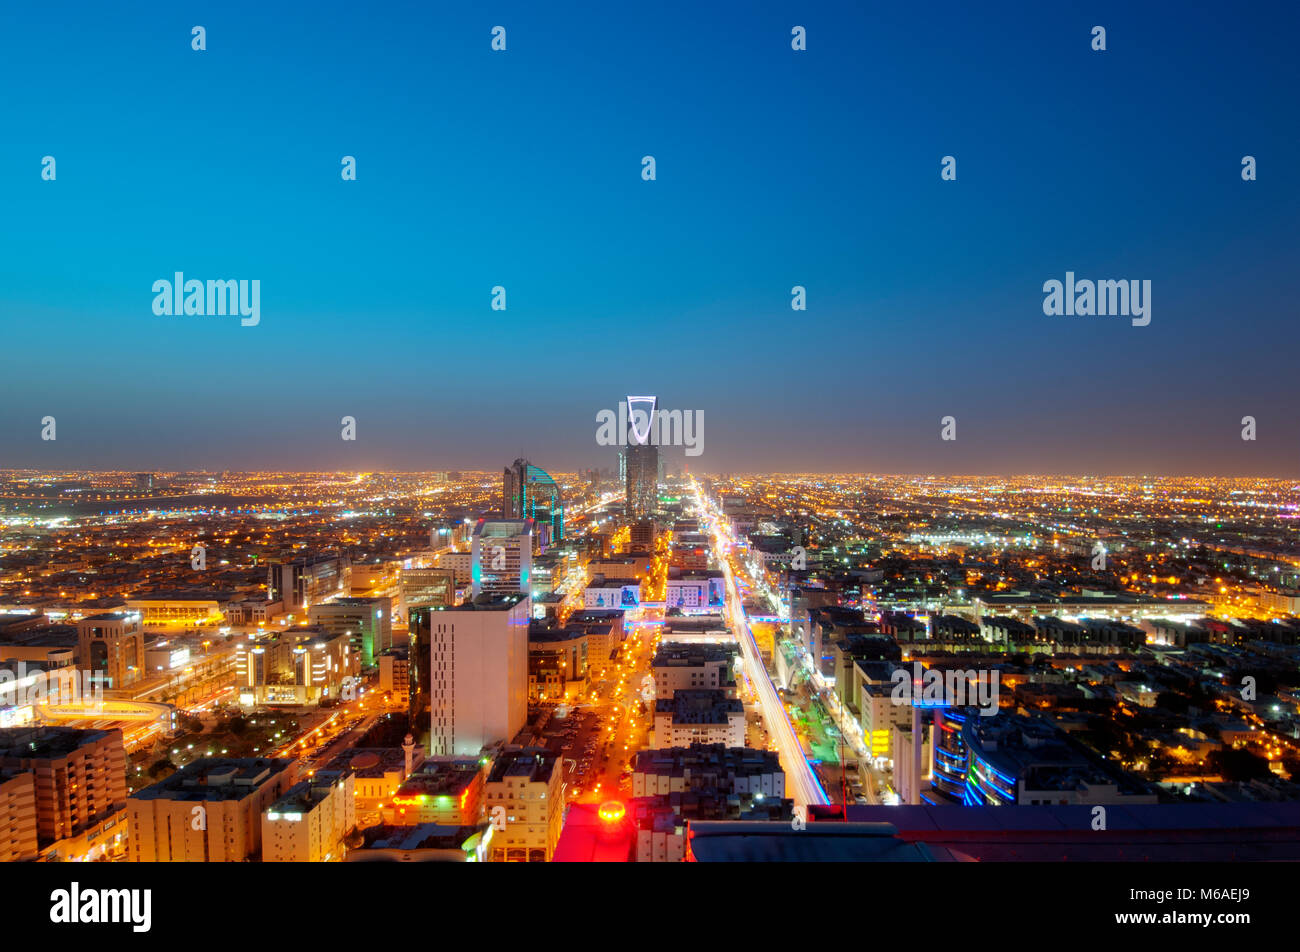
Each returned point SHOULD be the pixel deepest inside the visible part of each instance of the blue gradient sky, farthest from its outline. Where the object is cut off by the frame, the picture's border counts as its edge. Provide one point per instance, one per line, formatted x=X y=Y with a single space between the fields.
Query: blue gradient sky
x=775 y=168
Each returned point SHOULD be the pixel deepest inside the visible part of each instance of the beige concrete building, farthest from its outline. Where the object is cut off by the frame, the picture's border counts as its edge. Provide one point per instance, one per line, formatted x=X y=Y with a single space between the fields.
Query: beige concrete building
x=395 y=673
x=209 y=811
x=681 y=666
x=111 y=644
x=78 y=779
x=308 y=823
x=604 y=629
x=17 y=816
x=524 y=797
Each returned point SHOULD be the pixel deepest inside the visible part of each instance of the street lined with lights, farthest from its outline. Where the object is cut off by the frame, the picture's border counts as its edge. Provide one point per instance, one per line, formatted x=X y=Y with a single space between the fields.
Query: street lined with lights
x=801 y=779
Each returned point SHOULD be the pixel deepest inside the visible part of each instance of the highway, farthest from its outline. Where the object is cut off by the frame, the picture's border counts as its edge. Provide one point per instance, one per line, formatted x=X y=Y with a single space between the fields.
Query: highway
x=801 y=782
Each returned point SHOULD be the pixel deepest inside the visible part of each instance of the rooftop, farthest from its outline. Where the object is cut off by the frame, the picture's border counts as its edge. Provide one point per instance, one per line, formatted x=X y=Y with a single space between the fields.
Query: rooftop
x=216 y=778
x=42 y=743
x=531 y=763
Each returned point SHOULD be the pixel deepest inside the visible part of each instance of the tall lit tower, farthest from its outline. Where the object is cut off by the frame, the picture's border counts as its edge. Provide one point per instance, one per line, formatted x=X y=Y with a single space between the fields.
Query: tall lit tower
x=642 y=480
x=529 y=492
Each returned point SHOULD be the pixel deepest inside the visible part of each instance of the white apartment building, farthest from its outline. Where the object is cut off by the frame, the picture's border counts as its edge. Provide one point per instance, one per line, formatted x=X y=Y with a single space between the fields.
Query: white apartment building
x=698 y=717
x=308 y=824
x=478 y=673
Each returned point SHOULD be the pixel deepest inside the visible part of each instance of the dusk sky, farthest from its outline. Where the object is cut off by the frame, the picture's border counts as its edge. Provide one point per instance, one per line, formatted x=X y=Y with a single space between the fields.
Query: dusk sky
x=775 y=168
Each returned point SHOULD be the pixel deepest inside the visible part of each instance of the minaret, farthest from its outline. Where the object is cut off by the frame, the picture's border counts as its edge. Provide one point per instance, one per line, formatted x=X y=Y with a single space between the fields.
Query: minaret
x=408 y=745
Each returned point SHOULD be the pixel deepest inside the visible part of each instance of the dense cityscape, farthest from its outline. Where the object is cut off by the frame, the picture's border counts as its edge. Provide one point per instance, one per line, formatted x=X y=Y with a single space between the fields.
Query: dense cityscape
x=644 y=664
x=820 y=434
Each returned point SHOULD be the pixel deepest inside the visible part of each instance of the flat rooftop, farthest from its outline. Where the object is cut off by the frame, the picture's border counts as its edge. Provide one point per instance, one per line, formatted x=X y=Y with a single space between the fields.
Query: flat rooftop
x=42 y=743
x=531 y=763
x=216 y=778
x=487 y=603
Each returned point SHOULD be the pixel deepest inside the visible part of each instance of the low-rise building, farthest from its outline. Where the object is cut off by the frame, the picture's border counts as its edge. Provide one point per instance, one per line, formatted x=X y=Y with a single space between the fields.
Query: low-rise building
x=442 y=790
x=699 y=716
x=377 y=774
x=209 y=811
x=691 y=665
x=425 y=843
x=159 y=609
x=302 y=665
x=308 y=823
x=525 y=804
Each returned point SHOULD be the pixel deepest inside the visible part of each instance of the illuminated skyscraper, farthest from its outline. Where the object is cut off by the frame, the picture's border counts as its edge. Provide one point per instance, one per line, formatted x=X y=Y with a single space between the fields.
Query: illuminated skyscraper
x=366 y=621
x=501 y=556
x=302 y=582
x=642 y=480
x=418 y=658
x=529 y=492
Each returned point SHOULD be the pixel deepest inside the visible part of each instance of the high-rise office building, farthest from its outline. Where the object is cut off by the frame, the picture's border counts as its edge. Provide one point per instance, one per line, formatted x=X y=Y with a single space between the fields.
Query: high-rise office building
x=642 y=480
x=478 y=673
x=512 y=489
x=501 y=556
x=366 y=621
x=529 y=492
x=418 y=622
x=301 y=583
x=642 y=536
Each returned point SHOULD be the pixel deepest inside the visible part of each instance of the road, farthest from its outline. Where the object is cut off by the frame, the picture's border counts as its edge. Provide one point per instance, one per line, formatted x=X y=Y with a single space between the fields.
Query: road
x=801 y=781
x=616 y=698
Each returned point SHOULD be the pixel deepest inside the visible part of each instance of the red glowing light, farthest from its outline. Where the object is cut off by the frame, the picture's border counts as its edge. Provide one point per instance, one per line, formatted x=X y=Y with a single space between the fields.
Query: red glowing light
x=611 y=811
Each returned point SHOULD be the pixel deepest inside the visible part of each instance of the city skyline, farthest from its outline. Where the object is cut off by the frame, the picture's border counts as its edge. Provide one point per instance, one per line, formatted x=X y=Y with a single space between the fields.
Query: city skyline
x=522 y=665
x=577 y=473
x=686 y=433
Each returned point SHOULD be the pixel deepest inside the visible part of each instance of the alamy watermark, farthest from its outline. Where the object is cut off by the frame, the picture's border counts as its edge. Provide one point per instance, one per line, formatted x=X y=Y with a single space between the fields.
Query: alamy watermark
x=23 y=688
x=209 y=299
x=132 y=907
x=931 y=687
x=639 y=421
x=1103 y=298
